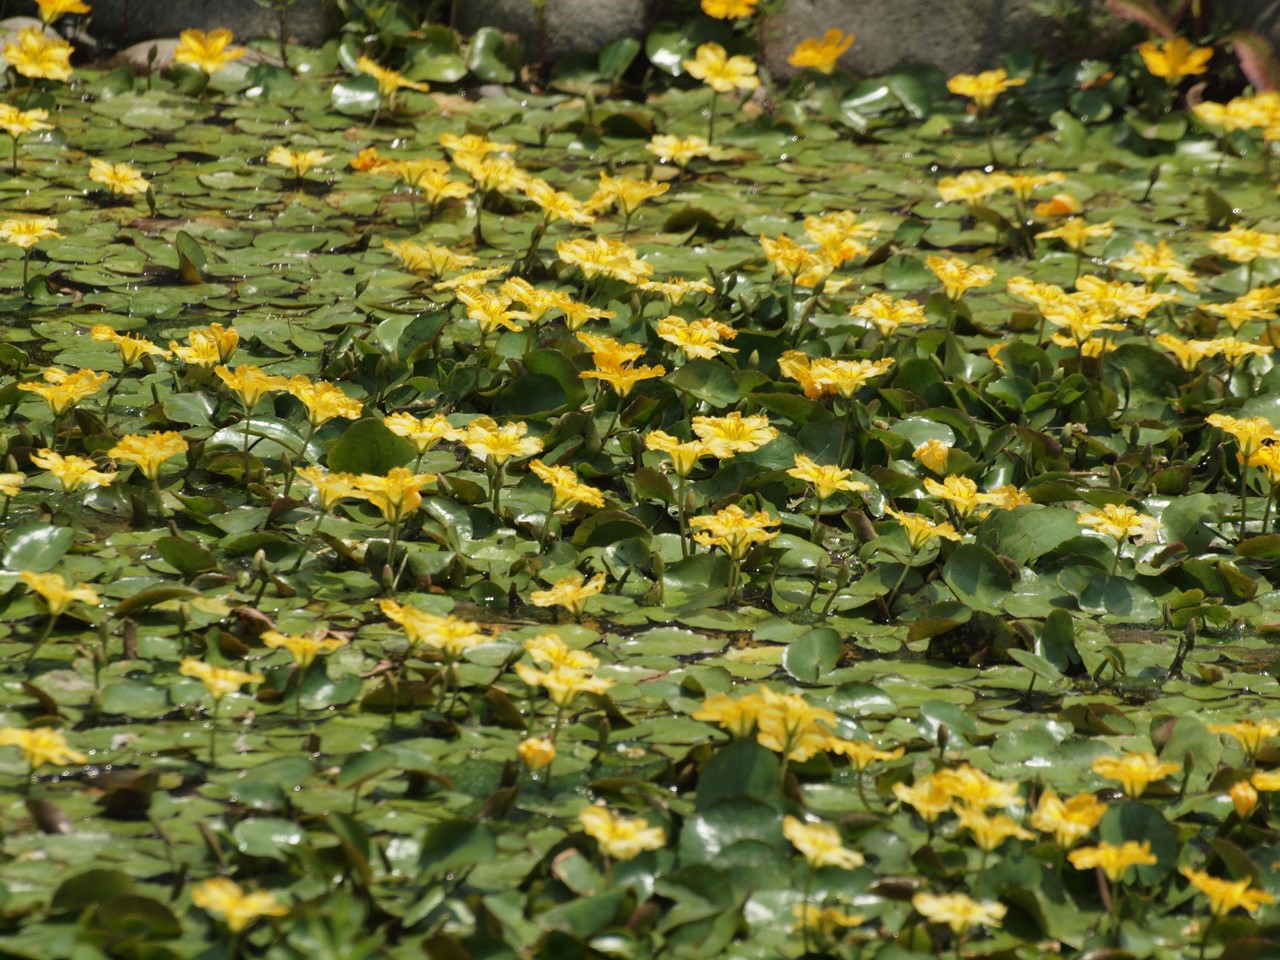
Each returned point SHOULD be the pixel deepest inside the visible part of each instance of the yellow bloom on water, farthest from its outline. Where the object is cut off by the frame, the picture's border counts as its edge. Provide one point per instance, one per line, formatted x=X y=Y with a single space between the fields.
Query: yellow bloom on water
x=329 y=487
x=557 y=204
x=1134 y=771
x=622 y=838
x=933 y=453
x=684 y=454
x=734 y=433
x=1121 y=522
x=820 y=376
x=304 y=648
x=324 y=401
x=424 y=433
x=1070 y=820
x=821 y=844
x=389 y=81
x=920 y=529
x=1174 y=59
x=563 y=683
x=729 y=9
x=701 y=339
x=118 y=178
x=450 y=635
x=862 y=753
x=299 y=161
x=397 y=494
x=825 y=922
x=131 y=346
x=826 y=479
x=11 y=483
x=1156 y=263
x=72 y=471
x=1114 y=860
x=1250 y=734
x=536 y=752
x=622 y=376
x=17 y=123
x=28 y=232
x=249 y=383
x=209 y=52
x=149 y=451
x=39 y=56
x=62 y=391
x=928 y=796
x=1227 y=895
x=821 y=55
x=722 y=73
x=226 y=899
x=208 y=345
x=976 y=789
x=219 y=681
x=491 y=311
x=1245 y=244
x=960 y=492
x=887 y=314
x=624 y=192
x=606 y=256
x=566 y=488
x=1250 y=433
x=57 y=594
x=983 y=88
x=734 y=531
x=572 y=593
x=959 y=911
x=1075 y=233
x=41 y=745
x=737 y=715
x=486 y=439
x=957 y=276
x=989 y=832
x=52 y=10
x=428 y=259
x=679 y=150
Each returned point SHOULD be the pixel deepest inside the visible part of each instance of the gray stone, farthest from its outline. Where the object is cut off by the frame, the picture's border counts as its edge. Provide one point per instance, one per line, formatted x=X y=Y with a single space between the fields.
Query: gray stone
x=125 y=22
x=572 y=25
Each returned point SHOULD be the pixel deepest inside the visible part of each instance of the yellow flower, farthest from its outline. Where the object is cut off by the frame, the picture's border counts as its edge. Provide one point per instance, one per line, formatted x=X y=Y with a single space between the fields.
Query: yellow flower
x=734 y=531
x=51 y=10
x=39 y=56
x=423 y=434
x=396 y=494
x=549 y=650
x=976 y=789
x=496 y=173
x=729 y=9
x=27 y=233
x=971 y=186
x=492 y=311
x=304 y=648
x=1075 y=233
x=1244 y=244
x=566 y=488
x=887 y=314
x=389 y=81
x=1068 y=820
x=572 y=593
x=1188 y=353
x=821 y=55
x=927 y=796
x=820 y=844
x=149 y=451
x=989 y=832
x=1157 y=264
x=622 y=838
x=826 y=922
x=1227 y=895
x=722 y=73
x=1244 y=797
x=1134 y=771
x=249 y=383
x=563 y=682
x=209 y=52
x=17 y=122
x=57 y=594
x=323 y=400
x=72 y=471
x=622 y=377
x=983 y=88
x=131 y=346
x=1113 y=860
x=733 y=433
x=1250 y=734
x=960 y=492
x=239 y=909
x=920 y=530
x=451 y=635
x=819 y=376
x=1250 y=433
x=329 y=487
x=697 y=338
x=625 y=192
x=1121 y=522
x=1023 y=185
x=62 y=391
x=738 y=716
x=862 y=753
x=933 y=453
x=612 y=258
x=676 y=289
x=957 y=276
x=486 y=439
x=11 y=483
x=791 y=260
x=428 y=259
x=1008 y=497
x=208 y=345
x=1174 y=59
x=299 y=161
x=536 y=752
x=41 y=745
x=684 y=454
x=839 y=235
x=557 y=204
x=679 y=150
x=219 y=681
x=119 y=178
x=959 y=911
x=826 y=479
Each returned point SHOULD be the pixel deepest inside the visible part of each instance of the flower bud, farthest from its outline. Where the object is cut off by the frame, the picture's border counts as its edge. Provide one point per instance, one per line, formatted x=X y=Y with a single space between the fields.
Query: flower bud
x=1244 y=797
